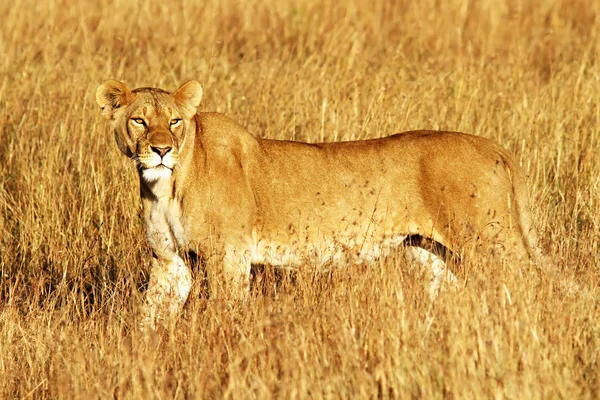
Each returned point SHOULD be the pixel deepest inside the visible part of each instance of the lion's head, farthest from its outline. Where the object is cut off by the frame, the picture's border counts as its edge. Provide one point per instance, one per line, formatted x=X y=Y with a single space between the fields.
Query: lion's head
x=150 y=124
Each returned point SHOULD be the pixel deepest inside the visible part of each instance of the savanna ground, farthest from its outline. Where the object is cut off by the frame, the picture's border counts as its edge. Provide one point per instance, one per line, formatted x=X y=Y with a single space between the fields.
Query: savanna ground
x=73 y=256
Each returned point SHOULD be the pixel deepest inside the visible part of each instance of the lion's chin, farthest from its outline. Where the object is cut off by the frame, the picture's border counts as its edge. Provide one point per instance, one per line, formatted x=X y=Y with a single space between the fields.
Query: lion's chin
x=154 y=174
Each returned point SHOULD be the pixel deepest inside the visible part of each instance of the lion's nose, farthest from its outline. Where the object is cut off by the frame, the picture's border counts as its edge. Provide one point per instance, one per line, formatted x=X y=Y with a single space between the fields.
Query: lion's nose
x=161 y=151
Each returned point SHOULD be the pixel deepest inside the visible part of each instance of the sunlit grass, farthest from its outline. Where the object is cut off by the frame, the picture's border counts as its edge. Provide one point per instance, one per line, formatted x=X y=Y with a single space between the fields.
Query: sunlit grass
x=73 y=258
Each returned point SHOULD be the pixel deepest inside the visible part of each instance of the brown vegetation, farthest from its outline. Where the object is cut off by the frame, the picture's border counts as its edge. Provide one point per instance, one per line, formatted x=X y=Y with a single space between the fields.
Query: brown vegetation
x=73 y=258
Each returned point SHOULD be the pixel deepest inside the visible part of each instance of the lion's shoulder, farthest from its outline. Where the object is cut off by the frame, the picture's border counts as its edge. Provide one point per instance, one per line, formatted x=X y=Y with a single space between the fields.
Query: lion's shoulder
x=219 y=134
x=210 y=122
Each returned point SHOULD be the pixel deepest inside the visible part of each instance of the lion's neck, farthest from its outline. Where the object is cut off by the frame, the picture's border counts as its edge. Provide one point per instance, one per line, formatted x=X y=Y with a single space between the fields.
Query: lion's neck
x=162 y=214
x=188 y=149
x=160 y=189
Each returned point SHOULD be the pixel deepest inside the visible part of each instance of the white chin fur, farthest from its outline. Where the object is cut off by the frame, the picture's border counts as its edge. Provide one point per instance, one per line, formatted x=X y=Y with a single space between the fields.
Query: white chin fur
x=154 y=174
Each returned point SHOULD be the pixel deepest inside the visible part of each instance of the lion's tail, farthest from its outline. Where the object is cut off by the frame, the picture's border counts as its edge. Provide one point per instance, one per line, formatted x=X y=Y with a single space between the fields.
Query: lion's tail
x=522 y=212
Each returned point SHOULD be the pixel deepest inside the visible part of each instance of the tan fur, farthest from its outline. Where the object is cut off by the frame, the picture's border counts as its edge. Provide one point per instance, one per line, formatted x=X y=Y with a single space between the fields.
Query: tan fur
x=236 y=200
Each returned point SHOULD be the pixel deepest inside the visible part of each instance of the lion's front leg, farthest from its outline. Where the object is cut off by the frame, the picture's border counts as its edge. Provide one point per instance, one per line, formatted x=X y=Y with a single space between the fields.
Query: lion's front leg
x=235 y=275
x=168 y=290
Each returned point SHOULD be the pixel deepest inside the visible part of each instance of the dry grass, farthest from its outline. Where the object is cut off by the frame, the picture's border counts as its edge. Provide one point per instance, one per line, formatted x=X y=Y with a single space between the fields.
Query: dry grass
x=72 y=253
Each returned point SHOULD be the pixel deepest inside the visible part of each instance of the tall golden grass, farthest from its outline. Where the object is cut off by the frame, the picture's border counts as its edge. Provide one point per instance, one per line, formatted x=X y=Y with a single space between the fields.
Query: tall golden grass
x=73 y=258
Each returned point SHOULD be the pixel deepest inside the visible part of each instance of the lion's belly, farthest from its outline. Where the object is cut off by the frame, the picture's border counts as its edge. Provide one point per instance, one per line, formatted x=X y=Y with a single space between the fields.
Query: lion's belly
x=344 y=226
x=342 y=249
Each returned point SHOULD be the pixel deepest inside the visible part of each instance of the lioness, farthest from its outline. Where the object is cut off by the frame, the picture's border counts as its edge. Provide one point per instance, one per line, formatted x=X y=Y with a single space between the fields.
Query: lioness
x=209 y=186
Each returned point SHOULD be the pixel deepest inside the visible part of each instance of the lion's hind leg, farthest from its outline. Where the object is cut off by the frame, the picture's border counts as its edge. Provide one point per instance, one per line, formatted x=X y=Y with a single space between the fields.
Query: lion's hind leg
x=430 y=254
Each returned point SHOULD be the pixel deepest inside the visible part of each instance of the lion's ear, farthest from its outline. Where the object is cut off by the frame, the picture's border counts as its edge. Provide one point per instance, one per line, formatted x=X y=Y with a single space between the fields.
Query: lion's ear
x=189 y=96
x=111 y=95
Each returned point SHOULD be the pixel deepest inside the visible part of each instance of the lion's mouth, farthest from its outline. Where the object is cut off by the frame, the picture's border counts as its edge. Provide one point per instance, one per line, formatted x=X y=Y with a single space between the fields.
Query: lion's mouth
x=142 y=167
x=161 y=165
x=153 y=174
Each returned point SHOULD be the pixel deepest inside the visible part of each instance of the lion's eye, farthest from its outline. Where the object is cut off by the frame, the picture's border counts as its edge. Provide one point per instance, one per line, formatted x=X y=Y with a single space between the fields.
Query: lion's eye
x=138 y=121
x=175 y=122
